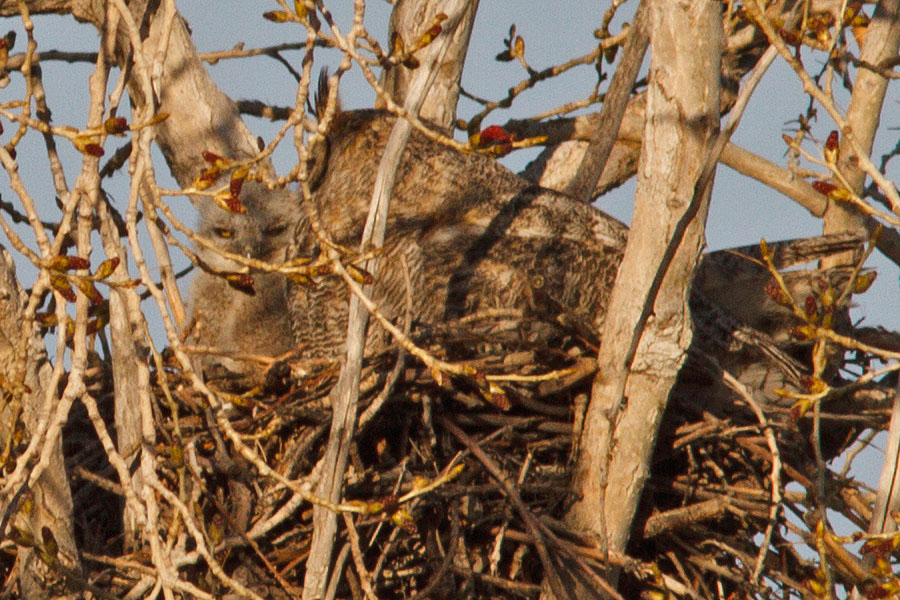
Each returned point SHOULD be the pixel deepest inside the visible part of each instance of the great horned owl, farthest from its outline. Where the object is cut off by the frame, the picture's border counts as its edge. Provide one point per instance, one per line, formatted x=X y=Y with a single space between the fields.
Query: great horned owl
x=229 y=319
x=470 y=234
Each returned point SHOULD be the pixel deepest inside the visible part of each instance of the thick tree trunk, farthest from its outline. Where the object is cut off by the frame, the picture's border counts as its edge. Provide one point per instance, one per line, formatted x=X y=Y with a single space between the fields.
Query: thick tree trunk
x=409 y=19
x=52 y=499
x=647 y=329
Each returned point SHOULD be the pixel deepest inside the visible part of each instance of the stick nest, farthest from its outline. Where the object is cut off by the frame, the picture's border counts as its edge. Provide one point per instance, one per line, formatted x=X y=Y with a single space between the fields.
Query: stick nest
x=492 y=472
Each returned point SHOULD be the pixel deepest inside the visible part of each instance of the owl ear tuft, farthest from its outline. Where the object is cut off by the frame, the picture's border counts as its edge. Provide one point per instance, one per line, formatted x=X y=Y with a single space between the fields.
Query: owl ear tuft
x=321 y=96
x=319 y=152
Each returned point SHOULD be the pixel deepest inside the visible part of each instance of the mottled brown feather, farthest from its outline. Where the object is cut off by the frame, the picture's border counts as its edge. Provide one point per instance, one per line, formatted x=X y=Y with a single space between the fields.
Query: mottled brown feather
x=474 y=236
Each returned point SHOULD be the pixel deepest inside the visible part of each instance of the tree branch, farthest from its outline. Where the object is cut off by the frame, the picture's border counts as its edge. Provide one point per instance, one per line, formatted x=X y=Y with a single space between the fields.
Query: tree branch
x=408 y=19
x=27 y=391
x=682 y=116
x=864 y=115
x=597 y=153
x=578 y=130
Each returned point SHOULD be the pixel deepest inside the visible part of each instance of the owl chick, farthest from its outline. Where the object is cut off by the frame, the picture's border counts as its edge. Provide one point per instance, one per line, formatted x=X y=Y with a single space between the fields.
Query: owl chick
x=232 y=320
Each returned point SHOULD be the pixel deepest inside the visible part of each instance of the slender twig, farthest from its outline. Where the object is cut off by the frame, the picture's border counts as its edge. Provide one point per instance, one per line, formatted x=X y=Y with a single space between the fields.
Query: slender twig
x=775 y=475
x=810 y=87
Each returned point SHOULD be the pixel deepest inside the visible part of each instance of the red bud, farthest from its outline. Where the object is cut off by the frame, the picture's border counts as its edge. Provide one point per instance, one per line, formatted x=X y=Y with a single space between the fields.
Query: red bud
x=115 y=125
x=832 y=145
x=241 y=281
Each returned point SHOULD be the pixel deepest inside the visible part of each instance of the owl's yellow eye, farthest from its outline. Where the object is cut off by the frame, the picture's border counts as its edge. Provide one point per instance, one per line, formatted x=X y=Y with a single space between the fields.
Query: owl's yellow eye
x=223 y=233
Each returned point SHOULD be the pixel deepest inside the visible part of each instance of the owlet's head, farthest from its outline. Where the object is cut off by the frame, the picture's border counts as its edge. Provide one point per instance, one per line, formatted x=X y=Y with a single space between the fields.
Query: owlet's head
x=262 y=232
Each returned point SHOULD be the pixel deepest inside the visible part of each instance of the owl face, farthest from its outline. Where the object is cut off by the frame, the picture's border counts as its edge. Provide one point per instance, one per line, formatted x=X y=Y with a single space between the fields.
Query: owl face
x=261 y=233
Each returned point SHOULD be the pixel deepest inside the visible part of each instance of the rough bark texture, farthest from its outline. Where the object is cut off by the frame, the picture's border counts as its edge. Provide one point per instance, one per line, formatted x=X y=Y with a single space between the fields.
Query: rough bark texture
x=52 y=498
x=682 y=108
